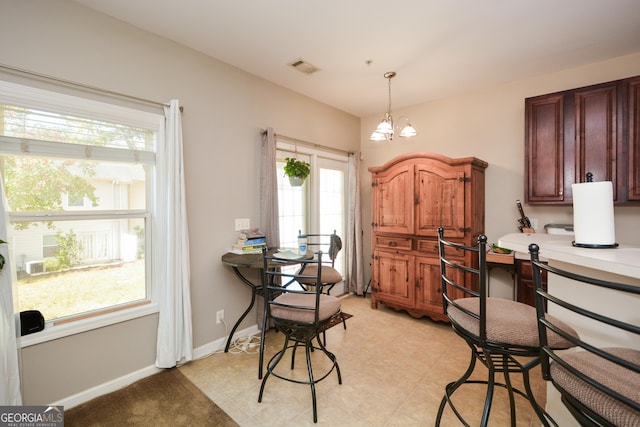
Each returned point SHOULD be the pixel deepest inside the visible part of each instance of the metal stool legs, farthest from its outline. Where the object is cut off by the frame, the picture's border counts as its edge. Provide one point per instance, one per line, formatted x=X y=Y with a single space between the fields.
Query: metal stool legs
x=495 y=363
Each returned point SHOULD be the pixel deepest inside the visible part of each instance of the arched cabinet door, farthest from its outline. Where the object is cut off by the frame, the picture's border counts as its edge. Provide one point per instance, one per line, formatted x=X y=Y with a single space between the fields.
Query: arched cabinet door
x=392 y=192
x=440 y=192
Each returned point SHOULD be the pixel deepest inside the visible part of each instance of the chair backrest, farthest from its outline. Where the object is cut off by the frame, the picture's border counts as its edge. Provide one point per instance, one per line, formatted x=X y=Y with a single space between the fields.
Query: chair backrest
x=464 y=281
x=286 y=302
x=329 y=244
x=597 y=384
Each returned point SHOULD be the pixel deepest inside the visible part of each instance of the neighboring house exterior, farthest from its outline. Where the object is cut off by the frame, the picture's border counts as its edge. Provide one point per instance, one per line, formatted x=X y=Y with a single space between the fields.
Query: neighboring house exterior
x=103 y=240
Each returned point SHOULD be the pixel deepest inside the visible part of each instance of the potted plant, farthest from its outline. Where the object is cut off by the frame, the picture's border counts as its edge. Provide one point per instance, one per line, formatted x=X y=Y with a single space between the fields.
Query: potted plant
x=296 y=170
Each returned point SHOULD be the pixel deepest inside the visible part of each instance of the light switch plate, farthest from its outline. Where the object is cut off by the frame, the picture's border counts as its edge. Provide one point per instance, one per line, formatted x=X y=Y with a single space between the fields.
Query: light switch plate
x=242 y=224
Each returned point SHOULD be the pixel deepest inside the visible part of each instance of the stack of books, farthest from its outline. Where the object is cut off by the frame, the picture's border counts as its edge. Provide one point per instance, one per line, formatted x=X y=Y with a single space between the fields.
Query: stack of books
x=249 y=242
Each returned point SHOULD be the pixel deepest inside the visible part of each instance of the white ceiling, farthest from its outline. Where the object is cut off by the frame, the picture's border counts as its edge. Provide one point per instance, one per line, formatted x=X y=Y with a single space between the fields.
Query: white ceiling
x=437 y=47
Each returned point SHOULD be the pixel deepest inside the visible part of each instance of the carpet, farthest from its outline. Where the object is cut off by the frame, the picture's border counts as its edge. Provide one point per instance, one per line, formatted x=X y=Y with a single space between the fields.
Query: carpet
x=164 y=399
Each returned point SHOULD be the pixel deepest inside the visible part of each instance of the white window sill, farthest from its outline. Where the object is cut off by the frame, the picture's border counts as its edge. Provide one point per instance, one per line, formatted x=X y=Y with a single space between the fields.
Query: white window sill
x=52 y=332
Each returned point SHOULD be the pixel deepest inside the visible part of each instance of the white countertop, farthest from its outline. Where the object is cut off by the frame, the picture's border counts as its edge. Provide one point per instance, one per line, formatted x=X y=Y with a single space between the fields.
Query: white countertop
x=623 y=260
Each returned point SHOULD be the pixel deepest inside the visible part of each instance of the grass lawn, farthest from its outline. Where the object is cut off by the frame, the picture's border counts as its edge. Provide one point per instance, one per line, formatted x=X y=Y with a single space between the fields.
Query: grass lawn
x=78 y=291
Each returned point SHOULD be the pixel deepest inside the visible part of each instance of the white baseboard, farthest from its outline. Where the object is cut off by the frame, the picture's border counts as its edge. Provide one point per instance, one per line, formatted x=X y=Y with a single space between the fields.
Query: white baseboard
x=104 y=388
x=125 y=380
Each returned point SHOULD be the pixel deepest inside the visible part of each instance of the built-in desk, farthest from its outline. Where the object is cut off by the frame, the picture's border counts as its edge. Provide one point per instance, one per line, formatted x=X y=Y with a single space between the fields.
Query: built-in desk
x=503 y=261
x=620 y=264
x=623 y=260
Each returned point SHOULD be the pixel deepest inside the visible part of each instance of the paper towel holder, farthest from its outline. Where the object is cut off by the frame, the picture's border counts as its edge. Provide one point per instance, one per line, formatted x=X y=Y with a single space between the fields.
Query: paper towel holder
x=589 y=177
x=594 y=246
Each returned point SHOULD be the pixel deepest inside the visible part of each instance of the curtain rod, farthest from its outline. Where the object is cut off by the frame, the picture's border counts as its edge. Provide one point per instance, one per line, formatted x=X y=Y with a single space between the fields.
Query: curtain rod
x=82 y=86
x=307 y=143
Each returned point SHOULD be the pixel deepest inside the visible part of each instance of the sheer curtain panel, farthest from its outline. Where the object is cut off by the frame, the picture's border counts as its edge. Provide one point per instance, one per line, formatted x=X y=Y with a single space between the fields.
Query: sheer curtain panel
x=175 y=341
x=354 y=250
x=269 y=210
x=9 y=367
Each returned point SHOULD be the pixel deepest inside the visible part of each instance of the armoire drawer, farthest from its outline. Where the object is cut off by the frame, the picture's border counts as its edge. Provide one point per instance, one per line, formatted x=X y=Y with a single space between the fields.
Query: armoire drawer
x=427 y=246
x=402 y=243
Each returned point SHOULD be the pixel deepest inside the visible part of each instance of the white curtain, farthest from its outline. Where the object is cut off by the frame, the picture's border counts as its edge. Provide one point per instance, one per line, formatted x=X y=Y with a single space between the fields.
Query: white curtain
x=9 y=366
x=269 y=211
x=354 y=250
x=175 y=340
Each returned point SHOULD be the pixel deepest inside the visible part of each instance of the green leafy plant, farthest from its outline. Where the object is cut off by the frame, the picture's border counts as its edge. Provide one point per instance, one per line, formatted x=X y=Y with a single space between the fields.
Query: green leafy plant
x=69 y=250
x=295 y=167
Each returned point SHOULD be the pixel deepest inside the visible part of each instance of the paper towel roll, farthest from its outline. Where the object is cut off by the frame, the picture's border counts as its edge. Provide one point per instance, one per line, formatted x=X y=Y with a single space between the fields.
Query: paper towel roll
x=593 y=221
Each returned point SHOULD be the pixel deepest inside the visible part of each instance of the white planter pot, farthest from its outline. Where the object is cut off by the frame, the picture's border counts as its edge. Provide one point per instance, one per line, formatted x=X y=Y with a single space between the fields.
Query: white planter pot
x=296 y=181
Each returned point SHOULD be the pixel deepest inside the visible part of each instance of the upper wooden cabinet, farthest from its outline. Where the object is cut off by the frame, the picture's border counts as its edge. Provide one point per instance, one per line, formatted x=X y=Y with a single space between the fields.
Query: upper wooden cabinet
x=569 y=134
x=634 y=139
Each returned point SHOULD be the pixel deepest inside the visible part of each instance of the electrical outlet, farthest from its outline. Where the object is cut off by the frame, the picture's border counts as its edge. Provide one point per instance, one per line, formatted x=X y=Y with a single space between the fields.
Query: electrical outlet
x=242 y=224
x=219 y=317
x=534 y=223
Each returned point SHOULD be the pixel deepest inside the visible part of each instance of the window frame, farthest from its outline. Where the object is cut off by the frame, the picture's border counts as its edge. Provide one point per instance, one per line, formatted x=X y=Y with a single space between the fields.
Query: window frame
x=86 y=107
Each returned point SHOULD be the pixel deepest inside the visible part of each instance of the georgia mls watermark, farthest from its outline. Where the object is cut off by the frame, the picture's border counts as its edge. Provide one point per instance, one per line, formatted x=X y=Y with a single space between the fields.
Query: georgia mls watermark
x=31 y=416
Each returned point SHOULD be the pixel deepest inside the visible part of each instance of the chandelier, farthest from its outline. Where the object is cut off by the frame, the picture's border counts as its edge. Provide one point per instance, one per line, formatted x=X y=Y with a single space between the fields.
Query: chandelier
x=386 y=128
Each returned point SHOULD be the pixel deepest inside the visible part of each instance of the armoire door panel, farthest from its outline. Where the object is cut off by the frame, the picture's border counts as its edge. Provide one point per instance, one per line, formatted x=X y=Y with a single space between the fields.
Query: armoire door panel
x=442 y=203
x=428 y=284
x=394 y=213
x=395 y=276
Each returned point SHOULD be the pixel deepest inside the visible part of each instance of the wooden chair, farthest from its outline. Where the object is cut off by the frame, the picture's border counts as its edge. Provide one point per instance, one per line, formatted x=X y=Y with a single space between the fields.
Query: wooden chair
x=599 y=386
x=301 y=314
x=502 y=334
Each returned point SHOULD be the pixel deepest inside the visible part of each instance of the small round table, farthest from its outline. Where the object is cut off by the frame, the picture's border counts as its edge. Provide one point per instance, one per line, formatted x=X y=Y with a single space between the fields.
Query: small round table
x=252 y=261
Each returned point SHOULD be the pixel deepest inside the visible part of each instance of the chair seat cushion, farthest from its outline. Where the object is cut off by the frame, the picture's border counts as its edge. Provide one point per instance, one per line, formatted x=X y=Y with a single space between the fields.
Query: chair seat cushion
x=622 y=380
x=329 y=275
x=508 y=322
x=329 y=306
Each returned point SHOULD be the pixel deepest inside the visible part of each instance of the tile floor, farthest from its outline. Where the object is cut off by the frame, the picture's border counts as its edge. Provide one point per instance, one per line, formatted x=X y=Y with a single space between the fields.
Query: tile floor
x=394 y=369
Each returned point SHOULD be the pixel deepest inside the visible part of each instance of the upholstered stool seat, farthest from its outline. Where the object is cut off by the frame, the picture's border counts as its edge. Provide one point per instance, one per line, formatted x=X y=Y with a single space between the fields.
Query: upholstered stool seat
x=329 y=306
x=623 y=381
x=508 y=322
x=328 y=275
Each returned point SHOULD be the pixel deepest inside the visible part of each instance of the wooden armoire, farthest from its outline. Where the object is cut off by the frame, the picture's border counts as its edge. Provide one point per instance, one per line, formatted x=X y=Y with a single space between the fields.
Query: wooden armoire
x=412 y=195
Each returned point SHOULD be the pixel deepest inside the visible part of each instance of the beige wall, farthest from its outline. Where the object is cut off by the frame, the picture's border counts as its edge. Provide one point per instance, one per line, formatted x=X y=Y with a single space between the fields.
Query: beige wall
x=225 y=109
x=489 y=124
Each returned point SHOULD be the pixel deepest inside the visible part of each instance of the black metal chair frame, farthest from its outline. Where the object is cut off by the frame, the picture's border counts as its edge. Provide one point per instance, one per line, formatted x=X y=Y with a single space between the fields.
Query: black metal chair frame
x=332 y=250
x=316 y=244
x=297 y=334
x=470 y=282
x=585 y=415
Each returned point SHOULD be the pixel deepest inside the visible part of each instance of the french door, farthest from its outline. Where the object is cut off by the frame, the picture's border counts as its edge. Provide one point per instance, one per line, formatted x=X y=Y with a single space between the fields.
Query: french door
x=320 y=204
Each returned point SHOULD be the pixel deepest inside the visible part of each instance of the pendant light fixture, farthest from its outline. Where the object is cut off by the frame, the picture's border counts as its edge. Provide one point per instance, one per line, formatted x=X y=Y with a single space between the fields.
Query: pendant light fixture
x=386 y=128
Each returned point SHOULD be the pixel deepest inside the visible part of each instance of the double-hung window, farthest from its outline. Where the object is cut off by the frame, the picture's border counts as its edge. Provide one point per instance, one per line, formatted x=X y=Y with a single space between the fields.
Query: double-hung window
x=79 y=177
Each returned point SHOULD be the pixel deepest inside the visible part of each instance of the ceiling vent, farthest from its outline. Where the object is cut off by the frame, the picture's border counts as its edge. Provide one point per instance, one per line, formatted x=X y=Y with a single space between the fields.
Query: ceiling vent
x=303 y=66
